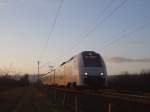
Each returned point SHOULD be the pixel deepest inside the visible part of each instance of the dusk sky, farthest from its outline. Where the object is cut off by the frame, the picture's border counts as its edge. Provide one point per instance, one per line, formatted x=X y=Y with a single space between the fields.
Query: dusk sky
x=117 y=29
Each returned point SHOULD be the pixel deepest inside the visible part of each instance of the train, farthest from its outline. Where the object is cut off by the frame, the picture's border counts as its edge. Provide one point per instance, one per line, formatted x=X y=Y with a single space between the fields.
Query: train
x=84 y=69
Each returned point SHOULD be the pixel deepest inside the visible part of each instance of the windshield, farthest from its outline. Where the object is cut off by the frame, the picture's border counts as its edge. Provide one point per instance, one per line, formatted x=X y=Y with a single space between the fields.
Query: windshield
x=92 y=59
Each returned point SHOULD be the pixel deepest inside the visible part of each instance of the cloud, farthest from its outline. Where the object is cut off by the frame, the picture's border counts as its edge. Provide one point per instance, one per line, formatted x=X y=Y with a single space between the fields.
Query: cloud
x=126 y=60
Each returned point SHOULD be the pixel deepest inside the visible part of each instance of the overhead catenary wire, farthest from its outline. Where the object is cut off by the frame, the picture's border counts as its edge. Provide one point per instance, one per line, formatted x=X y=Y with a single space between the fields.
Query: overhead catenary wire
x=98 y=24
x=126 y=35
x=100 y=15
x=52 y=29
x=88 y=27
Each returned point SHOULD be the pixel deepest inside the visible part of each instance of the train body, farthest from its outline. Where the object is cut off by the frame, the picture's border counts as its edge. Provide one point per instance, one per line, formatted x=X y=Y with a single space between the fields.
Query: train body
x=85 y=69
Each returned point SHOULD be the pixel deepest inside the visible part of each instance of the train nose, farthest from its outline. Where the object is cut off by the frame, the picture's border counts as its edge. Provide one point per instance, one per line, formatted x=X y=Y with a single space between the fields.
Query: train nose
x=94 y=76
x=93 y=72
x=94 y=80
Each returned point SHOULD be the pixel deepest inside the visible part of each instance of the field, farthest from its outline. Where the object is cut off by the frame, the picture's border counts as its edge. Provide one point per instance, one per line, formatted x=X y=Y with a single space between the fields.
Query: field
x=26 y=99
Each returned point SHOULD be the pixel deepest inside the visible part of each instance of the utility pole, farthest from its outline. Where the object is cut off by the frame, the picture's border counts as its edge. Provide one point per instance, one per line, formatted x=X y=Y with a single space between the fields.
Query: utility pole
x=54 y=76
x=53 y=70
x=38 y=70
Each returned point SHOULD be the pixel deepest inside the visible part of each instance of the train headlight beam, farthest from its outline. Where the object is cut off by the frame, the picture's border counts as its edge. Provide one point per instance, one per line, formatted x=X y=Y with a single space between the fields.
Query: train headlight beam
x=85 y=73
x=101 y=73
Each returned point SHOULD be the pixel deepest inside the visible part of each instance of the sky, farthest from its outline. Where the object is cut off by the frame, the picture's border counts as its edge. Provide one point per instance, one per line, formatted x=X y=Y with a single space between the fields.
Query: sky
x=117 y=29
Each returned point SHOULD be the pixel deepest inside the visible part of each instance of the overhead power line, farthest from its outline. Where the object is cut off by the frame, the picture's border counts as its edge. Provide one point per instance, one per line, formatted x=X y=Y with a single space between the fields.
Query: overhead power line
x=126 y=35
x=98 y=24
x=100 y=15
x=52 y=29
x=88 y=27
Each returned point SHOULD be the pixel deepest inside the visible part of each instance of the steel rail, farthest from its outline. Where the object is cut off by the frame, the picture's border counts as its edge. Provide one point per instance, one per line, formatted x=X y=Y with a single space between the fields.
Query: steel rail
x=110 y=97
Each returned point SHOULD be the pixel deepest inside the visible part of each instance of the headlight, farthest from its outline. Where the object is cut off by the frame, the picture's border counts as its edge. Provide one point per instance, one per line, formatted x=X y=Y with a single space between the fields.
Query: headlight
x=85 y=73
x=102 y=73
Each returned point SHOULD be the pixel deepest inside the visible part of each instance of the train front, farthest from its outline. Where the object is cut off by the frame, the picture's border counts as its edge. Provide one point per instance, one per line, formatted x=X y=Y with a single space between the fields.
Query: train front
x=93 y=70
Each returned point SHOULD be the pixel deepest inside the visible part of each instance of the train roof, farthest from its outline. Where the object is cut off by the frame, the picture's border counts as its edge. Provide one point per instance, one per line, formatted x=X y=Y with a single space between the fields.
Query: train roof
x=90 y=52
x=86 y=52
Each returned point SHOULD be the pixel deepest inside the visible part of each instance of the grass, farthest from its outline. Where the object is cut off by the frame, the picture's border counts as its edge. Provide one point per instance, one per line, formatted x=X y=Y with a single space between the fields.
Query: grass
x=21 y=96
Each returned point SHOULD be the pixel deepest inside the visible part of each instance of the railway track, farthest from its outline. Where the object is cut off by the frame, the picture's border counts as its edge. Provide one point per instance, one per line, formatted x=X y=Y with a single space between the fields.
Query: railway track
x=109 y=94
x=99 y=100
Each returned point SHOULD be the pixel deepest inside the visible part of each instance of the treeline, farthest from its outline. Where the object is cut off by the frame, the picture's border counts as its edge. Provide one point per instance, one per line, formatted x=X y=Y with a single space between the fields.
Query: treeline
x=126 y=81
x=7 y=81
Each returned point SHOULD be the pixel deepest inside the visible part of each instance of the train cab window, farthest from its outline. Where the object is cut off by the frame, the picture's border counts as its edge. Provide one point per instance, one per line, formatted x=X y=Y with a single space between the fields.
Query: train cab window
x=92 y=60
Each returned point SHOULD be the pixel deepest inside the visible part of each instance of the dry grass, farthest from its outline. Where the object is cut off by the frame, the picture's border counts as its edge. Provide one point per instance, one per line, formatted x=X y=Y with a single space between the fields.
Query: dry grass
x=26 y=99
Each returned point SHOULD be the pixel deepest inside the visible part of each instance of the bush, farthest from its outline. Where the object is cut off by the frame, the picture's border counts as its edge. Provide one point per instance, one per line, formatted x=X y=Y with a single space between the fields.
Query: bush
x=7 y=81
x=135 y=82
